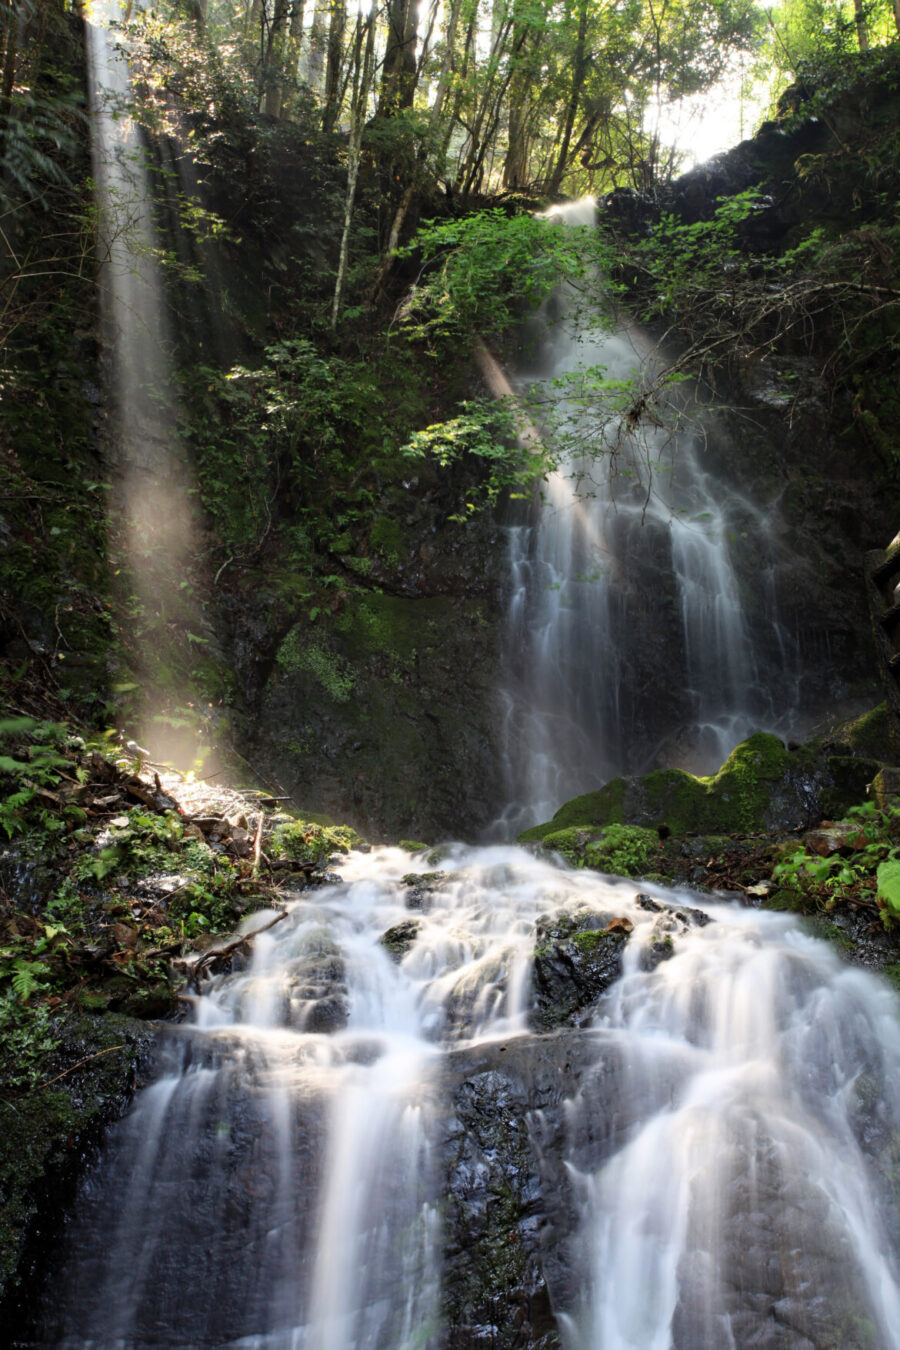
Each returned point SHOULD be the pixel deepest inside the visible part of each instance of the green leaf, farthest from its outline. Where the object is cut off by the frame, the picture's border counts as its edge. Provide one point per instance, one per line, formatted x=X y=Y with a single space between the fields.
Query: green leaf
x=8 y=765
x=25 y=977
x=888 y=878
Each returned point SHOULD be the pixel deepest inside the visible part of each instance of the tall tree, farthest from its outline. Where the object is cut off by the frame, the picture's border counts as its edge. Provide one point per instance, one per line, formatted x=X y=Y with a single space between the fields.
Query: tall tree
x=399 y=70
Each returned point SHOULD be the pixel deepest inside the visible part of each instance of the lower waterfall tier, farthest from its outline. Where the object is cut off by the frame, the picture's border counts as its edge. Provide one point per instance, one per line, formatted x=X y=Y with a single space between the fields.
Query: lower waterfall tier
x=482 y=1099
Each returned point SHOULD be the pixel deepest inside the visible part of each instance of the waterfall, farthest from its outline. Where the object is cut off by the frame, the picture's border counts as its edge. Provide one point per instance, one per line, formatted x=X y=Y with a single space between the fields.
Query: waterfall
x=707 y=1161
x=474 y=1098
x=628 y=639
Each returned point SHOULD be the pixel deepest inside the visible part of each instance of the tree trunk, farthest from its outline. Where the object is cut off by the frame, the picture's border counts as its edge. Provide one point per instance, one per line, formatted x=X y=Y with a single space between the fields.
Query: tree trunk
x=579 y=69
x=515 y=165
x=9 y=65
x=398 y=76
x=295 y=41
x=316 y=48
x=862 y=30
x=333 y=84
x=272 y=74
x=361 y=82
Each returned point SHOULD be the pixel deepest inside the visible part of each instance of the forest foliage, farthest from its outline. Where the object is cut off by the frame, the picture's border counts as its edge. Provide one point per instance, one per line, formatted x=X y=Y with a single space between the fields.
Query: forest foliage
x=345 y=198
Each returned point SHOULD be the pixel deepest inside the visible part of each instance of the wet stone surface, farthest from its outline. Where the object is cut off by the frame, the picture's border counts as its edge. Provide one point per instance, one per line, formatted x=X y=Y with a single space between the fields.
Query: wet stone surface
x=576 y=959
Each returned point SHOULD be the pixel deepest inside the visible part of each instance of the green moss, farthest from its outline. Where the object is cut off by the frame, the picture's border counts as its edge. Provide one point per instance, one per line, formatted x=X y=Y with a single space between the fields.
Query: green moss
x=387 y=539
x=742 y=788
x=303 y=841
x=604 y=807
x=735 y=800
x=589 y=942
x=398 y=940
x=44 y=1131
x=411 y=846
x=892 y=973
x=298 y=653
x=822 y=928
x=868 y=734
x=392 y=625
x=569 y=842
x=676 y=798
x=784 y=901
x=625 y=850
x=886 y=788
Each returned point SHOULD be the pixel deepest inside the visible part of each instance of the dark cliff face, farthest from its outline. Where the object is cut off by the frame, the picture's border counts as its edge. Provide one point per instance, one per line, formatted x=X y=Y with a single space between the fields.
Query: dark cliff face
x=385 y=713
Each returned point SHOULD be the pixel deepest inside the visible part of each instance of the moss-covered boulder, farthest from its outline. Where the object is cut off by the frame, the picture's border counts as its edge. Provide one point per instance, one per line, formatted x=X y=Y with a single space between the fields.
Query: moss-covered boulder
x=66 y=1084
x=576 y=958
x=761 y=786
x=421 y=888
x=398 y=940
x=623 y=850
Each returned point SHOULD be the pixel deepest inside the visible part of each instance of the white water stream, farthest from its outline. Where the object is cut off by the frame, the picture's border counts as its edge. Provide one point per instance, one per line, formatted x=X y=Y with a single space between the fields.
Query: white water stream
x=627 y=636
x=729 y=1147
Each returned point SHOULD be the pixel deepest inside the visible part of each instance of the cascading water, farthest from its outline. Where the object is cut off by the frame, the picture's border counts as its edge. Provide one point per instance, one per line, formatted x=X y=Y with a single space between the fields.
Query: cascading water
x=627 y=634
x=416 y=1121
x=716 y=1148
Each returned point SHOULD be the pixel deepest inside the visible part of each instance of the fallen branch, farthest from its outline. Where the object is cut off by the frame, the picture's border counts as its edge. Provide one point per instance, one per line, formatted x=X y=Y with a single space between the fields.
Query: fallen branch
x=257 y=844
x=196 y=968
x=73 y=1067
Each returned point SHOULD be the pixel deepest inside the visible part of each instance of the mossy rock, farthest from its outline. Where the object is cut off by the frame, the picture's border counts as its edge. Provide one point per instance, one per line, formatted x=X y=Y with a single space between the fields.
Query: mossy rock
x=571 y=842
x=623 y=850
x=605 y=807
x=48 y=1132
x=868 y=735
x=398 y=940
x=576 y=958
x=851 y=775
x=303 y=841
x=761 y=786
x=886 y=787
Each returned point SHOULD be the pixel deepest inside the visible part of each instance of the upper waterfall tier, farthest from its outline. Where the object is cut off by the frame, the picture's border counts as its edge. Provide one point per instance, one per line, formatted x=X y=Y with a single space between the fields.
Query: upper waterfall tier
x=629 y=636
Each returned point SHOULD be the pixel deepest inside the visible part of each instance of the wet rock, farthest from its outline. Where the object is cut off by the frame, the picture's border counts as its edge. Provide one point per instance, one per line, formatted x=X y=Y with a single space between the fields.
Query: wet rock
x=421 y=886
x=509 y=1213
x=661 y=947
x=672 y=920
x=648 y=903
x=686 y=915
x=50 y=1134
x=326 y=1014
x=576 y=959
x=835 y=837
x=398 y=940
x=318 y=998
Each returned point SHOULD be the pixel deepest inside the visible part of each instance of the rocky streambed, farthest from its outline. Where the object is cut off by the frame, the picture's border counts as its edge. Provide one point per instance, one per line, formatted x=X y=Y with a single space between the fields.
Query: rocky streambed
x=443 y=1063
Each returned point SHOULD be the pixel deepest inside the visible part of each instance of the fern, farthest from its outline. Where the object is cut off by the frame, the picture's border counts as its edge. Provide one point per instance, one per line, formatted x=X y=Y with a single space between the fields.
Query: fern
x=11 y=818
x=25 y=979
x=37 y=134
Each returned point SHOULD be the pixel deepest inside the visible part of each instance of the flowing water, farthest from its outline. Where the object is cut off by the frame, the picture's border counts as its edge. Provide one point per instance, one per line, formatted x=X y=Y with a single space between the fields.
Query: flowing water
x=360 y=1144
x=627 y=631
x=724 y=1138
